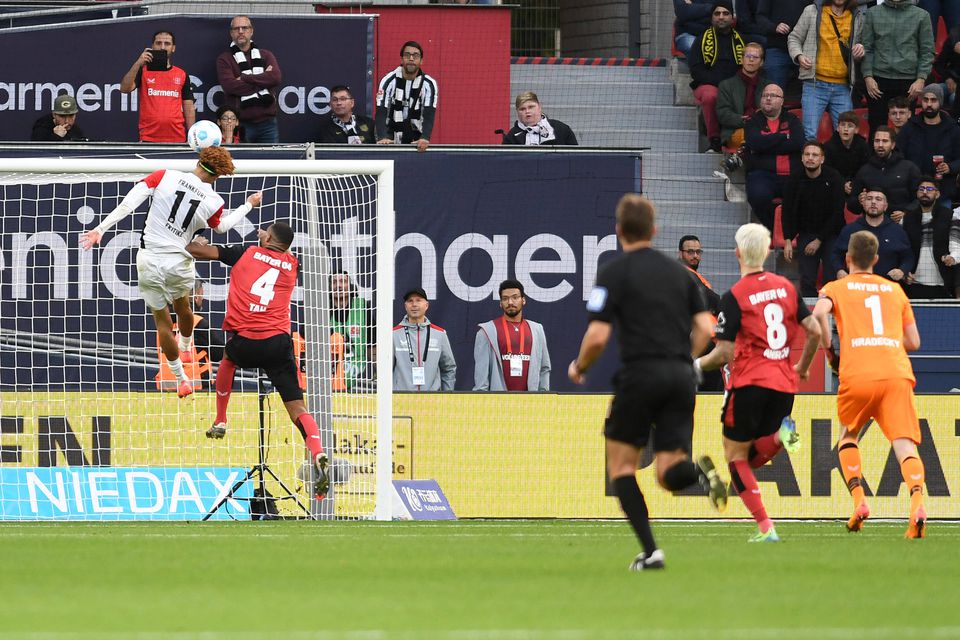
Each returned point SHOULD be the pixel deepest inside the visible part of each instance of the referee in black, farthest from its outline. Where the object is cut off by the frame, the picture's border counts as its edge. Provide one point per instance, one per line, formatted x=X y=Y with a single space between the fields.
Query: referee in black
x=661 y=320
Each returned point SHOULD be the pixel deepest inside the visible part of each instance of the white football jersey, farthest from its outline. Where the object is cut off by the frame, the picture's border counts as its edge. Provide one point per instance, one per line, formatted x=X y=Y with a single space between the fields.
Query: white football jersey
x=182 y=206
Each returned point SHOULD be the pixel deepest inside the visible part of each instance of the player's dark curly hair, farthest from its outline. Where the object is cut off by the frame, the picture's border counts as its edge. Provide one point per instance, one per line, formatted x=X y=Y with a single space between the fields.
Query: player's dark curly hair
x=217 y=160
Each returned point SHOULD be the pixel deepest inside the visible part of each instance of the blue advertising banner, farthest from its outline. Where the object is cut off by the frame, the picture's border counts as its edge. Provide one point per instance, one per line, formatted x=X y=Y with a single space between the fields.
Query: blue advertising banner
x=121 y=493
x=421 y=500
x=89 y=59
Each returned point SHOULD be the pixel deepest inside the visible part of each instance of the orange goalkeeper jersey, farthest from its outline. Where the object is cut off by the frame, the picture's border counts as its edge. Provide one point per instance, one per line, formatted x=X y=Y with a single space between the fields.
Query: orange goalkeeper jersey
x=871 y=313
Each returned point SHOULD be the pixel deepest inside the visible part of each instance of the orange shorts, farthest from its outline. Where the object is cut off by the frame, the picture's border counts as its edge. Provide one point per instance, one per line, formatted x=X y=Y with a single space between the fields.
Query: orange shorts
x=889 y=402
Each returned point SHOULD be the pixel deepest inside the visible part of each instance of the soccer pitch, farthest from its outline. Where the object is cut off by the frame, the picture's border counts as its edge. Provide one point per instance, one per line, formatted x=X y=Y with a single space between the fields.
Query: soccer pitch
x=472 y=580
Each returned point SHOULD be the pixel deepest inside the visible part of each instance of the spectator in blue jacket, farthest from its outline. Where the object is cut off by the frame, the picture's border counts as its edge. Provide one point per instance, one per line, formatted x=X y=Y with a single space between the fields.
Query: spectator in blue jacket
x=895 y=256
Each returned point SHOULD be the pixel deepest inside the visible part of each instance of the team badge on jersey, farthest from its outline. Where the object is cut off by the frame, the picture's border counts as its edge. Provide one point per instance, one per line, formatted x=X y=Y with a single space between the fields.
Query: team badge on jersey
x=597 y=300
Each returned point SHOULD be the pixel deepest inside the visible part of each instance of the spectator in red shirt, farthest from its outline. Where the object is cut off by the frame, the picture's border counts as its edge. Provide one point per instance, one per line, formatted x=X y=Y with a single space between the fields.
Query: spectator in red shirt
x=165 y=93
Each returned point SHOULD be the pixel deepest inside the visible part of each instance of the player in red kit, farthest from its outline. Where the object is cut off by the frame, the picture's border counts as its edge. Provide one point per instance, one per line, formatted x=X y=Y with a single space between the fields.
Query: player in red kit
x=759 y=318
x=184 y=204
x=257 y=325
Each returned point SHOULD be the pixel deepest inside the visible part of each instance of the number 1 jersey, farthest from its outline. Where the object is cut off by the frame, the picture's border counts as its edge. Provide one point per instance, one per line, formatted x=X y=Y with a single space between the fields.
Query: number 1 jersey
x=871 y=314
x=261 y=285
x=183 y=205
x=761 y=314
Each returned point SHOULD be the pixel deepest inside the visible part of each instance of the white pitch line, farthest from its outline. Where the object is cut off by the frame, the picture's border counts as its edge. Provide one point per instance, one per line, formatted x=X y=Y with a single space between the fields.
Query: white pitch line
x=772 y=633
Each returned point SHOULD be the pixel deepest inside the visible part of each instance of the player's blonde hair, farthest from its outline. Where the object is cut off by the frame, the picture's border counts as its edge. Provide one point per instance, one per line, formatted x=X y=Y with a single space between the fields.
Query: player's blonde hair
x=753 y=240
x=216 y=161
x=862 y=249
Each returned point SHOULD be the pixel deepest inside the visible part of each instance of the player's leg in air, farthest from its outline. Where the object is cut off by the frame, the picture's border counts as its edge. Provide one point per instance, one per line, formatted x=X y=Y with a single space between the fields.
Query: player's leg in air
x=168 y=344
x=311 y=437
x=756 y=428
x=185 y=325
x=223 y=384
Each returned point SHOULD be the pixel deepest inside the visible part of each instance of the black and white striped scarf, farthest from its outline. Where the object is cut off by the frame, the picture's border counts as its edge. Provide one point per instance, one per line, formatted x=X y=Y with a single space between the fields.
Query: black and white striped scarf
x=538 y=133
x=349 y=128
x=251 y=63
x=414 y=113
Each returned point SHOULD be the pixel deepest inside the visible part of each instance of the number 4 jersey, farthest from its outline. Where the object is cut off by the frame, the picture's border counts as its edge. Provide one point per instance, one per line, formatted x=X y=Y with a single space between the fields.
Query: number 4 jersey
x=182 y=206
x=871 y=314
x=261 y=285
x=761 y=314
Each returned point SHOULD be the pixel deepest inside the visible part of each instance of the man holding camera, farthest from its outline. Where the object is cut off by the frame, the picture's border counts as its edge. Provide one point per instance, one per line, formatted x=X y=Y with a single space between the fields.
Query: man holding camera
x=165 y=93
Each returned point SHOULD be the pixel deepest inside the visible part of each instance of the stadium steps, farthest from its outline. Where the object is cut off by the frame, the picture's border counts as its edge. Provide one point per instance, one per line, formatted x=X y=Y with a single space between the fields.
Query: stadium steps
x=649 y=107
x=640 y=116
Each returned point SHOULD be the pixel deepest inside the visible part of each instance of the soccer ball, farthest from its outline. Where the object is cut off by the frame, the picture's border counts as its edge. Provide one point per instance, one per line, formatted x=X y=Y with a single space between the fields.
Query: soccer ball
x=203 y=134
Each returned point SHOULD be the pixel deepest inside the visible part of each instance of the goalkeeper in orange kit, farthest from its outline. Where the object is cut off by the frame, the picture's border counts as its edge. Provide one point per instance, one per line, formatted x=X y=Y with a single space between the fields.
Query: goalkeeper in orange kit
x=877 y=329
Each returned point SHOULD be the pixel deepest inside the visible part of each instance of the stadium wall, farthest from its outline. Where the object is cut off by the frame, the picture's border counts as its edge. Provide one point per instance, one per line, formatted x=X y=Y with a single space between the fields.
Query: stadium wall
x=467 y=51
x=495 y=455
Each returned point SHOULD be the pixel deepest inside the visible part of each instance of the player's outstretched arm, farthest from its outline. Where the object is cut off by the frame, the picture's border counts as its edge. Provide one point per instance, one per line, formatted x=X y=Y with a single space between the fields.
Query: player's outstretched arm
x=130 y=202
x=202 y=250
x=230 y=220
x=812 y=327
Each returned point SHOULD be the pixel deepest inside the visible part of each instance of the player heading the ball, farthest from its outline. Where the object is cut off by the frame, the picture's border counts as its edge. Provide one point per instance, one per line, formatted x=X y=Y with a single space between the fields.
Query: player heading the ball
x=183 y=205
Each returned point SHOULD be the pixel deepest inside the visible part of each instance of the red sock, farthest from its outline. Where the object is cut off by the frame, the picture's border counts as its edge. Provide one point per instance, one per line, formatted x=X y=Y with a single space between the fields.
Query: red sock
x=311 y=433
x=224 y=385
x=764 y=450
x=746 y=484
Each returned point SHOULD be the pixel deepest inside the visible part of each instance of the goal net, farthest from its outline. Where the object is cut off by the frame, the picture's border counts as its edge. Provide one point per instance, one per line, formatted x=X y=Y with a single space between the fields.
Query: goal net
x=91 y=427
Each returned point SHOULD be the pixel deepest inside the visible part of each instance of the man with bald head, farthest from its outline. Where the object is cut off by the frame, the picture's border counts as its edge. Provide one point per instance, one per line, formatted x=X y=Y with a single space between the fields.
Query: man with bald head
x=774 y=138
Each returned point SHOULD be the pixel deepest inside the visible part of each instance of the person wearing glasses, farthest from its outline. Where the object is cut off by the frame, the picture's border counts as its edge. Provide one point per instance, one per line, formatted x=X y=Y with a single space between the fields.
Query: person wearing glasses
x=690 y=254
x=249 y=76
x=229 y=125
x=342 y=125
x=774 y=138
x=935 y=239
x=738 y=98
x=510 y=352
x=407 y=101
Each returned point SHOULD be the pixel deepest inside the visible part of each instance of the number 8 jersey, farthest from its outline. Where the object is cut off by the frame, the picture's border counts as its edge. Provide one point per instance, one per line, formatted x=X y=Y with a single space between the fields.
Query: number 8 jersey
x=761 y=314
x=261 y=285
x=183 y=205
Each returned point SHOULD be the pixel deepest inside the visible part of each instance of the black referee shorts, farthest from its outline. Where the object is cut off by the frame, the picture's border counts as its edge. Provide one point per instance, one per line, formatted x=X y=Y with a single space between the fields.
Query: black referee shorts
x=274 y=355
x=753 y=412
x=654 y=396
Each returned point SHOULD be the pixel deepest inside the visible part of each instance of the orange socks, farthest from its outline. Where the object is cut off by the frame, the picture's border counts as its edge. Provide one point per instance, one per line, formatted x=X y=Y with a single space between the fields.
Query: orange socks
x=852 y=470
x=912 y=471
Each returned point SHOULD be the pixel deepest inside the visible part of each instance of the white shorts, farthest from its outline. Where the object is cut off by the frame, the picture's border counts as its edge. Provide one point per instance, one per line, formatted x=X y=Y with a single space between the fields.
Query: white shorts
x=164 y=277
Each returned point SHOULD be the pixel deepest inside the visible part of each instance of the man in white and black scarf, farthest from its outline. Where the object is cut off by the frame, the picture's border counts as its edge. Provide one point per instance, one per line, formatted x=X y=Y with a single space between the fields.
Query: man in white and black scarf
x=534 y=128
x=342 y=125
x=407 y=101
x=249 y=76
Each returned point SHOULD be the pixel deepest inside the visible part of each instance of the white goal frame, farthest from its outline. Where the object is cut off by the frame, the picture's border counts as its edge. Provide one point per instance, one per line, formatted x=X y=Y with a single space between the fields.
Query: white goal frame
x=385 y=224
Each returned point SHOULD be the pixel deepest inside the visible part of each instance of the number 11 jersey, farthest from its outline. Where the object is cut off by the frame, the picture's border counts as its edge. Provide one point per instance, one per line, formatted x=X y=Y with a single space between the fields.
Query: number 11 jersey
x=182 y=206
x=761 y=314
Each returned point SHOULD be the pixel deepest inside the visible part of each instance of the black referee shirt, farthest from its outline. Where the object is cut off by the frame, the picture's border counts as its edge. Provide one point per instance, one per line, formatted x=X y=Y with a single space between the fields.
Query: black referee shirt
x=650 y=299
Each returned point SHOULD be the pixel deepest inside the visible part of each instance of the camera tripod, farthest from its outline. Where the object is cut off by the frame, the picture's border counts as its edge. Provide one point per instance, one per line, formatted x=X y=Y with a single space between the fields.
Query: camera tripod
x=260 y=470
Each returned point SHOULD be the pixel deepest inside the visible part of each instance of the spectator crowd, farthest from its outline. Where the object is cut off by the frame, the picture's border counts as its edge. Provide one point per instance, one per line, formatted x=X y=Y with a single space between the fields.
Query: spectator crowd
x=769 y=75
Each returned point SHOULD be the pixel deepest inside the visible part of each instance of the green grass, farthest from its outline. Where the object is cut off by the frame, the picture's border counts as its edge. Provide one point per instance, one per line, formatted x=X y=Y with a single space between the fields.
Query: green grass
x=472 y=580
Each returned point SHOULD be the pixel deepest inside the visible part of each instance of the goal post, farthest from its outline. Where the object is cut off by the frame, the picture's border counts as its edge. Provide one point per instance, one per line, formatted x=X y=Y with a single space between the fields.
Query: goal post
x=89 y=431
